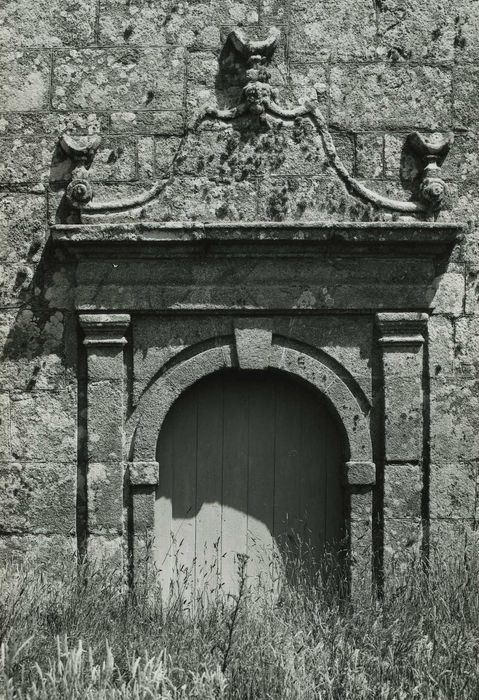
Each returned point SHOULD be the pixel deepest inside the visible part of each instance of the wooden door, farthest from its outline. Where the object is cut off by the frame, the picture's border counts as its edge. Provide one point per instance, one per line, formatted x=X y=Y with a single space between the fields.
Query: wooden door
x=250 y=463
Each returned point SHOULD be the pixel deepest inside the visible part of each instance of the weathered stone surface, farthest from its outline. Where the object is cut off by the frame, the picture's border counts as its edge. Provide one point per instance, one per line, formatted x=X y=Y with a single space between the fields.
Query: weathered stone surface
x=402 y=491
x=143 y=473
x=47 y=23
x=369 y=155
x=187 y=23
x=447 y=293
x=22 y=226
x=333 y=30
x=105 y=491
x=118 y=79
x=454 y=419
x=403 y=418
x=168 y=123
x=38 y=497
x=441 y=350
x=5 y=449
x=390 y=96
x=34 y=352
x=307 y=199
x=253 y=347
x=452 y=540
x=24 y=80
x=205 y=199
x=46 y=550
x=105 y=428
x=466 y=109
x=402 y=546
x=30 y=124
x=453 y=490
x=467 y=341
x=143 y=509
x=44 y=426
x=423 y=31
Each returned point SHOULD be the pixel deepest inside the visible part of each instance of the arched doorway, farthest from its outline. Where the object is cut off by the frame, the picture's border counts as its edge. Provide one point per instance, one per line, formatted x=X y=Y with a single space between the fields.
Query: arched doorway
x=250 y=463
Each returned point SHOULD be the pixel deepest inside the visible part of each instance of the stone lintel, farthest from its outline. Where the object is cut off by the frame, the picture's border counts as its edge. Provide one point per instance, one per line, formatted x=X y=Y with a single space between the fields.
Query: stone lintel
x=104 y=329
x=402 y=328
x=360 y=473
x=143 y=473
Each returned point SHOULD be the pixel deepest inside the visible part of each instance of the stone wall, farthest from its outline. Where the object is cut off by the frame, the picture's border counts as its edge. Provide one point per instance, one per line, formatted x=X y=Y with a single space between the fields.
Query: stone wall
x=139 y=73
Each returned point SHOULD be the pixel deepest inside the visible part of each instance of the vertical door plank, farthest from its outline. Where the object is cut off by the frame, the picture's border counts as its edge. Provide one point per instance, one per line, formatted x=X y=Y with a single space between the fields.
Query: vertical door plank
x=334 y=512
x=313 y=493
x=261 y=475
x=235 y=479
x=287 y=481
x=185 y=426
x=164 y=545
x=209 y=483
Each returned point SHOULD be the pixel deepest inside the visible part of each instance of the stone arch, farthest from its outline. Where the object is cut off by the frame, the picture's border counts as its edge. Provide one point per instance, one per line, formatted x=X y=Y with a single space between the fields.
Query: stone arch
x=252 y=348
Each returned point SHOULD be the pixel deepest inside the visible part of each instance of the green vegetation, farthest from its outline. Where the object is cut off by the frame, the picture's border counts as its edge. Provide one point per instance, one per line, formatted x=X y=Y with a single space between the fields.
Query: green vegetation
x=79 y=633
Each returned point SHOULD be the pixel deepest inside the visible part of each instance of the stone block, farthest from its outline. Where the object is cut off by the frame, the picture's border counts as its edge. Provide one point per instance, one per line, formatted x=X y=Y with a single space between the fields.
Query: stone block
x=402 y=491
x=253 y=347
x=246 y=148
x=467 y=342
x=360 y=473
x=341 y=31
x=307 y=199
x=205 y=199
x=369 y=155
x=47 y=23
x=44 y=426
x=441 y=346
x=164 y=123
x=30 y=124
x=382 y=95
x=22 y=227
x=466 y=39
x=452 y=491
x=49 y=551
x=105 y=420
x=454 y=419
x=446 y=295
x=5 y=448
x=472 y=290
x=402 y=361
x=186 y=24
x=466 y=105
x=105 y=362
x=32 y=351
x=24 y=80
x=143 y=473
x=143 y=510
x=418 y=32
x=105 y=497
x=403 y=422
x=117 y=79
x=402 y=547
x=38 y=497
x=451 y=541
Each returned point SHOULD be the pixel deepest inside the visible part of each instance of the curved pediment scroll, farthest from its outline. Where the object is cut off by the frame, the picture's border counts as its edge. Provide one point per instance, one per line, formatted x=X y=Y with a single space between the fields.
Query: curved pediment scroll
x=259 y=103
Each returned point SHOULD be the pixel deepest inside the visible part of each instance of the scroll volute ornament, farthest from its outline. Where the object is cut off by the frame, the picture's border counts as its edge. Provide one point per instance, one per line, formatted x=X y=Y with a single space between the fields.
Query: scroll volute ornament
x=81 y=149
x=432 y=149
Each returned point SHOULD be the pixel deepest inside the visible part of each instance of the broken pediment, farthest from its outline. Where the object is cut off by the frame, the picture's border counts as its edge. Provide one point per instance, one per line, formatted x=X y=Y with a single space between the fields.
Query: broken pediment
x=259 y=161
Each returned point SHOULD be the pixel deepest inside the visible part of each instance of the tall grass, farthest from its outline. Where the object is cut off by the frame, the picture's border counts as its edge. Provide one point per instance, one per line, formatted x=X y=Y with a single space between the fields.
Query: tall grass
x=78 y=632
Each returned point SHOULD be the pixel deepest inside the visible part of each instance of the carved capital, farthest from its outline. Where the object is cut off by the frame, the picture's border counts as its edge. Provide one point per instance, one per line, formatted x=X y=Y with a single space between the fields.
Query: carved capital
x=407 y=329
x=360 y=473
x=143 y=473
x=104 y=329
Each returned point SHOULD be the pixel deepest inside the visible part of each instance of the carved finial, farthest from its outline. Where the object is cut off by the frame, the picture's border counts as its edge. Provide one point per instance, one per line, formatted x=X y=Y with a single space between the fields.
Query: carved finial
x=433 y=149
x=248 y=48
x=81 y=149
